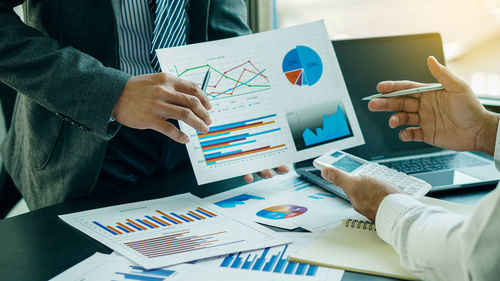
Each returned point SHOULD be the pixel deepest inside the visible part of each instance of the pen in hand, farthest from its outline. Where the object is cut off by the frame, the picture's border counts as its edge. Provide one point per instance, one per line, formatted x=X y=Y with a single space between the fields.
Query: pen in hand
x=433 y=87
x=204 y=84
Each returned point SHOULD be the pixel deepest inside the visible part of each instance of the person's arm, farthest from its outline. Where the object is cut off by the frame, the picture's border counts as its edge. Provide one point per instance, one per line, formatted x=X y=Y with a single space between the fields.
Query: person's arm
x=42 y=68
x=435 y=244
x=76 y=86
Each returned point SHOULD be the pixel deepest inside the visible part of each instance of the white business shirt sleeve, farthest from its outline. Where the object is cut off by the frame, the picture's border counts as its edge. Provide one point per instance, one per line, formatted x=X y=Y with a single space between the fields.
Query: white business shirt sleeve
x=435 y=244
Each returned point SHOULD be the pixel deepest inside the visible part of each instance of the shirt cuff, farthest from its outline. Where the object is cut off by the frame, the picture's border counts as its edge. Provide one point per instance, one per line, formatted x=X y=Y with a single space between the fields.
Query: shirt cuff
x=389 y=212
x=496 y=156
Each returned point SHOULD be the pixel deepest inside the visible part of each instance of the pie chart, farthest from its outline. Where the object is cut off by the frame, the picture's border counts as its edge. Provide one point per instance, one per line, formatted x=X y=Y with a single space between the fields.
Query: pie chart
x=281 y=212
x=302 y=66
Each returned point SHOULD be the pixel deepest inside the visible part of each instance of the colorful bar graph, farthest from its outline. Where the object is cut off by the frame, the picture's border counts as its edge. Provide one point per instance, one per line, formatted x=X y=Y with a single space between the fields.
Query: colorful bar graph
x=135 y=224
x=237 y=124
x=160 y=220
x=187 y=218
x=206 y=212
x=209 y=144
x=125 y=227
x=232 y=140
x=196 y=215
x=227 y=131
x=277 y=263
x=112 y=229
x=155 y=221
x=176 y=243
x=105 y=228
x=241 y=153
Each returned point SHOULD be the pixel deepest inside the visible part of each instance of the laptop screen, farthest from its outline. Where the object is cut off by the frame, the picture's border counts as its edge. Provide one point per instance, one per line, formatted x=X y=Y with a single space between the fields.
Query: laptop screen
x=364 y=63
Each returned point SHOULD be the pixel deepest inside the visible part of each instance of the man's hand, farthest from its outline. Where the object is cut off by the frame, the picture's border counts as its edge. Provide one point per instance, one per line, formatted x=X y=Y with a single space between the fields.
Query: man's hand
x=452 y=118
x=365 y=193
x=148 y=101
x=267 y=173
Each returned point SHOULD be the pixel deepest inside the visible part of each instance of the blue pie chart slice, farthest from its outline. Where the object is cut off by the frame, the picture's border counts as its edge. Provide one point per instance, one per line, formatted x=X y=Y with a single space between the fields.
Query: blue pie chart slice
x=302 y=66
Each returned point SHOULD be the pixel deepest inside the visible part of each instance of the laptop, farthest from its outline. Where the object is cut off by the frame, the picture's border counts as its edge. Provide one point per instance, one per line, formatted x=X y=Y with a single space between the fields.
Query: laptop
x=364 y=63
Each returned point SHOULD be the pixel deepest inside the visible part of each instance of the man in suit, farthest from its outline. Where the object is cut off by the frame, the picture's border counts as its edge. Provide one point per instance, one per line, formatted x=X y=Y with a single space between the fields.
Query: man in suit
x=78 y=66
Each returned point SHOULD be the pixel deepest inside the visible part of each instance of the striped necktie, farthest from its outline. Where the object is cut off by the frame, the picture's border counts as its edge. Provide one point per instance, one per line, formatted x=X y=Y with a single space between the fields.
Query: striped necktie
x=170 y=22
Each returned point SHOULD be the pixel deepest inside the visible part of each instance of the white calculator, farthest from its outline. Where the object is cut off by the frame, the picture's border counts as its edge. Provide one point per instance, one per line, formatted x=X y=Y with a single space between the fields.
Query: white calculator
x=356 y=166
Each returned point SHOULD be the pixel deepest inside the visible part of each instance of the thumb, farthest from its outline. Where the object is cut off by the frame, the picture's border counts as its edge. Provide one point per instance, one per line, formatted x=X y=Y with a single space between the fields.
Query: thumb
x=336 y=176
x=443 y=74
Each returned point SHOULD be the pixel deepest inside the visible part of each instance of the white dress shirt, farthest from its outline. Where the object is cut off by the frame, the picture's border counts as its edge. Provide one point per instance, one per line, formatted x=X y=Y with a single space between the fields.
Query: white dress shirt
x=435 y=244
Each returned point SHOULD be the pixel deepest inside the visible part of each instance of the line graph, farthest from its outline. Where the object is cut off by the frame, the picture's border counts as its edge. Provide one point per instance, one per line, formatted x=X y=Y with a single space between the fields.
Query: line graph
x=241 y=79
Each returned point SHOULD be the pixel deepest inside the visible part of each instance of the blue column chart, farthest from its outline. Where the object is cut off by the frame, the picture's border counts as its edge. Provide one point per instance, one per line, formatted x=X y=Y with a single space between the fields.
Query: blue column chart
x=302 y=66
x=271 y=261
x=317 y=125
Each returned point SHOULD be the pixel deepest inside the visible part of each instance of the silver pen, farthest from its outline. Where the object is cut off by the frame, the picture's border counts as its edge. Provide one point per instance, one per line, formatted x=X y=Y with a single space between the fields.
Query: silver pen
x=433 y=87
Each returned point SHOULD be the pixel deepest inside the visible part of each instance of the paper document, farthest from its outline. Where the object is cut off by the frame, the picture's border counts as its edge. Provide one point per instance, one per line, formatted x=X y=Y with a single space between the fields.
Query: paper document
x=285 y=201
x=101 y=267
x=277 y=96
x=172 y=230
x=271 y=261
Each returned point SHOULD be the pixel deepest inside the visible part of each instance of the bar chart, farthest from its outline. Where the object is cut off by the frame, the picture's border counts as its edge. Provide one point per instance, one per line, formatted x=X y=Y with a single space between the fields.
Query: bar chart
x=176 y=243
x=117 y=268
x=272 y=261
x=160 y=220
x=266 y=262
x=172 y=230
x=242 y=139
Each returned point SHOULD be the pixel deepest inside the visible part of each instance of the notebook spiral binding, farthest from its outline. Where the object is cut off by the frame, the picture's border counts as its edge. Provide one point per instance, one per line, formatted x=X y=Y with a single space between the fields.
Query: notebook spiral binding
x=370 y=225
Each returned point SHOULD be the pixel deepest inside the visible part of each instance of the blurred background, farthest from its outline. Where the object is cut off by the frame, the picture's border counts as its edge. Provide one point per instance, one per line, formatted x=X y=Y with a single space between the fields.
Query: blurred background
x=470 y=28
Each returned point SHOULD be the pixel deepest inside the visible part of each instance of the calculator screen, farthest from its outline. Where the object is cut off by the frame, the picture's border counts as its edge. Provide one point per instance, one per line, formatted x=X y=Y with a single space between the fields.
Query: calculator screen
x=347 y=164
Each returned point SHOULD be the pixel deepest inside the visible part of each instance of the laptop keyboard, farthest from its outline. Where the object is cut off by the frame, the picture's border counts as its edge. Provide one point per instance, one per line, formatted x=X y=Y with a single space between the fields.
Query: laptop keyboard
x=434 y=163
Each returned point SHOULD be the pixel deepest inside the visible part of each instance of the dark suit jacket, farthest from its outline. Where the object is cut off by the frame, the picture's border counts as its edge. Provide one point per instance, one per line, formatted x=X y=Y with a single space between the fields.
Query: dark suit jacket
x=64 y=64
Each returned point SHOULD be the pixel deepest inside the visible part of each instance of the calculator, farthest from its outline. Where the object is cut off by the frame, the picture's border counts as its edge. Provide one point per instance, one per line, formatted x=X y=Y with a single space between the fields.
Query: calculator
x=356 y=166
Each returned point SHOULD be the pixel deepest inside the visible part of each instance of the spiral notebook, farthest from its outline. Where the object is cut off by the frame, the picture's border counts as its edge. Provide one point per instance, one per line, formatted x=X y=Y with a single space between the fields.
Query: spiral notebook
x=355 y=246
